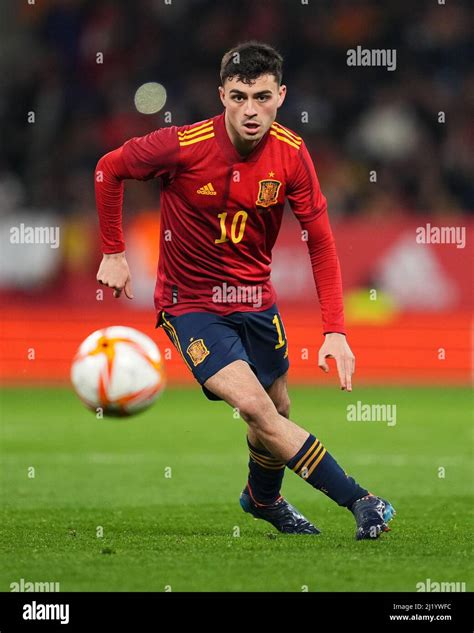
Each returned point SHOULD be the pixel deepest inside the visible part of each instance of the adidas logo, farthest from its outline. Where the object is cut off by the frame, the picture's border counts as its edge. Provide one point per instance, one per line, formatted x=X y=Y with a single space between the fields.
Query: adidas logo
x=207 y=190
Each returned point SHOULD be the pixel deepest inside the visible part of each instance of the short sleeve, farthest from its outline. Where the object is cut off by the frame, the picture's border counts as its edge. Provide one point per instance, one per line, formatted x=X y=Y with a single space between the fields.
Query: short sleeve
x=303 y=190
x=153 y=155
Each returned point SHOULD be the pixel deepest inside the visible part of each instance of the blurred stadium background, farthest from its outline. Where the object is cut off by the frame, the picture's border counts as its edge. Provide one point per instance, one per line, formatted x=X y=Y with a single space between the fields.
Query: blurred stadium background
x=415 y=327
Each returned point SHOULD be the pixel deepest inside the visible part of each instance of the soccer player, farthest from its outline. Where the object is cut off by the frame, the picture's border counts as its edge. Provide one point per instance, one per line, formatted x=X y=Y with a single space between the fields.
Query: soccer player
x=224 y=185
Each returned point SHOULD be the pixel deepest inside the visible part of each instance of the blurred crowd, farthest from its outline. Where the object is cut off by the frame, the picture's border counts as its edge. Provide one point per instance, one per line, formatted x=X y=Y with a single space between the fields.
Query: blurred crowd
x=358 y=119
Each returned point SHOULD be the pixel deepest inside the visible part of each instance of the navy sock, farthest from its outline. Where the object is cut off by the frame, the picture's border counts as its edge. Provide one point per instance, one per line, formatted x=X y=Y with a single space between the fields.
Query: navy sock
x=313 y=463
x=265 y=475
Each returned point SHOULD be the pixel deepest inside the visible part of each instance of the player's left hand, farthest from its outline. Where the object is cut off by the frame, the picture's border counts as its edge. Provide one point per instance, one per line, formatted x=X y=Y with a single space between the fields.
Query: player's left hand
x=335 y=346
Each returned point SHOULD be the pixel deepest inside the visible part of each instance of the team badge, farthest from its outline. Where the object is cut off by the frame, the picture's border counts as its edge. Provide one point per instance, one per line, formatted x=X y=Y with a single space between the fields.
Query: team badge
x=268 y=192
x=197 y=351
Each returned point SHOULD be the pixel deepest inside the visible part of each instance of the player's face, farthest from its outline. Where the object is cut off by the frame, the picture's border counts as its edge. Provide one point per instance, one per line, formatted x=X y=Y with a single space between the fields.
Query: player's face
x=251 y=109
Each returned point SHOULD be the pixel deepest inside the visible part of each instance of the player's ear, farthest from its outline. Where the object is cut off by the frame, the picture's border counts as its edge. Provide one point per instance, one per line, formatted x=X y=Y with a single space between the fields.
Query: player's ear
x=222 y=95
x=281 y=95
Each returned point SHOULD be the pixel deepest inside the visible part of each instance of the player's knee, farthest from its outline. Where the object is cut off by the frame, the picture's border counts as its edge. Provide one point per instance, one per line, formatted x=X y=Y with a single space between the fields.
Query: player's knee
x=255 y=409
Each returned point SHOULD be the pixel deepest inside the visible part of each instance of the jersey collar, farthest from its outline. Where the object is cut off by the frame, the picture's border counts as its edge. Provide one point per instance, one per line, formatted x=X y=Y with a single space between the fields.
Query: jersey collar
x=228 y=148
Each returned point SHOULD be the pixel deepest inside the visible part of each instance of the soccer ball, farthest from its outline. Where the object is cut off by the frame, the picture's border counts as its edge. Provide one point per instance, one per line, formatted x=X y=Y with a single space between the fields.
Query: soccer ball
x=118 y=370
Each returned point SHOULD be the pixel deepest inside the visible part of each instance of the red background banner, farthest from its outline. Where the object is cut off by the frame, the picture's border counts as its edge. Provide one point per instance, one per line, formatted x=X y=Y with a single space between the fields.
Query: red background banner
x=407 y=305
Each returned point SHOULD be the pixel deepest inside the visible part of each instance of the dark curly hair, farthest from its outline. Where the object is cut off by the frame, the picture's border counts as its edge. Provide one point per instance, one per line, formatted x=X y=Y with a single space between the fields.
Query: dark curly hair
x=250 y=60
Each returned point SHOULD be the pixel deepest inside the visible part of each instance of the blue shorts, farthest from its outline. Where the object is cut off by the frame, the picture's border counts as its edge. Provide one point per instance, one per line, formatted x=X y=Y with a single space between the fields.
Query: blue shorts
x=208 y=342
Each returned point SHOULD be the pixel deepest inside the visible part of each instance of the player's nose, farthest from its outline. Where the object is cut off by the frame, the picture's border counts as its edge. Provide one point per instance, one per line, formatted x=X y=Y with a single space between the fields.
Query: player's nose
x=250 y=109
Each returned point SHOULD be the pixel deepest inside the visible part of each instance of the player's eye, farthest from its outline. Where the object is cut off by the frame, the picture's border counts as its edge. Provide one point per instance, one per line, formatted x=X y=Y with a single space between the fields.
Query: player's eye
x=263 y=98
x=238 y=98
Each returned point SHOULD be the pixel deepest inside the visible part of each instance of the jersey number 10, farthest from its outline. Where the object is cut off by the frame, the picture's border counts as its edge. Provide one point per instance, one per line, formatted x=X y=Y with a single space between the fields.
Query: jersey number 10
x=236 y=234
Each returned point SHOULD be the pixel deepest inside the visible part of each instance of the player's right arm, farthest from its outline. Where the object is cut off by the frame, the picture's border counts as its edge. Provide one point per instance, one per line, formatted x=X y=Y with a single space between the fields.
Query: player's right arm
x=115 y=273
x=140 y=158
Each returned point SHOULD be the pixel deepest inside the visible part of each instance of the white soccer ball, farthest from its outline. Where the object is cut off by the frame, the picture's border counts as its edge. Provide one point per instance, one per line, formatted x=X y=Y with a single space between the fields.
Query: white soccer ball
x=118 y=370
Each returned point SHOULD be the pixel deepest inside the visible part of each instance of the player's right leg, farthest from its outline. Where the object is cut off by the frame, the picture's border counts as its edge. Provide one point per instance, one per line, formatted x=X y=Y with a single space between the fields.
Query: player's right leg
x=298 y=449
x=278 y=392
x=207 y=343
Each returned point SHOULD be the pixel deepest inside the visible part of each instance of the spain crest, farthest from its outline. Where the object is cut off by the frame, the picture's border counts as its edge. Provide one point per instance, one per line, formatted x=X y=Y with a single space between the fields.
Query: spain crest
x=268 y=192
x=197 y=351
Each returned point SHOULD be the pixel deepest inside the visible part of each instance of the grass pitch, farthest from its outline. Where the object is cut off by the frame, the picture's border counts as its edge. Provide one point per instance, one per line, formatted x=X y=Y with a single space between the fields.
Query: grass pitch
x=151 y=503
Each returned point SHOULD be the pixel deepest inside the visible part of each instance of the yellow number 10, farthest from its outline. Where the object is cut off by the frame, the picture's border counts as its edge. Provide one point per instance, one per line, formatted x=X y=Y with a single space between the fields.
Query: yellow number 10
x=234 y=235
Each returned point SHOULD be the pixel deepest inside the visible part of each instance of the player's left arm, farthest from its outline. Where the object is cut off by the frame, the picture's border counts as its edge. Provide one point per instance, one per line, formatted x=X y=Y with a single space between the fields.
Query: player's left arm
x=310 y=207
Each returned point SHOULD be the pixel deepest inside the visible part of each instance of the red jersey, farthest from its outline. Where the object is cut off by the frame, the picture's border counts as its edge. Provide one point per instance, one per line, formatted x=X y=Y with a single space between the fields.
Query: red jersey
x=221 y=214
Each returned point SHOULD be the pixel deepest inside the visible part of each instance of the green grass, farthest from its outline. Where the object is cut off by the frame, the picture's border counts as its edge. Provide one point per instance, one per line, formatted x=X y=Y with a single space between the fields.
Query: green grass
x=178 y=530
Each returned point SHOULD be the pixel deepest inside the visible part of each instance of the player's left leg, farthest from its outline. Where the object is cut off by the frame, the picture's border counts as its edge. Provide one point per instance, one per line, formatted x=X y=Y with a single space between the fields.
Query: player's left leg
x=261 y=496
x=263 y=336
x=265 y=471
x=264 y=339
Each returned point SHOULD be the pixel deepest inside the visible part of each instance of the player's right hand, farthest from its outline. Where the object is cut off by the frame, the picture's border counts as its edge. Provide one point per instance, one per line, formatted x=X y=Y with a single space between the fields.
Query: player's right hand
x=115 y=273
